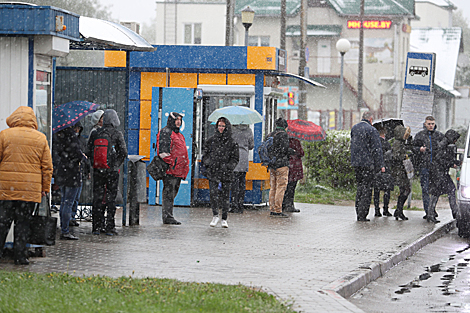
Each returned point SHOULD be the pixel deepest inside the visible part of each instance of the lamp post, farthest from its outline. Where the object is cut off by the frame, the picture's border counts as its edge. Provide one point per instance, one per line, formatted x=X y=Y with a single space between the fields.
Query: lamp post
x=247 y=20
x=343 y=46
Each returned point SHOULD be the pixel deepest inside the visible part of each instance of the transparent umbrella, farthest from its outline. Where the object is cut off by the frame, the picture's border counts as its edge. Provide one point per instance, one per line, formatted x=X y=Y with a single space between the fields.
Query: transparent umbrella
x=236 y=115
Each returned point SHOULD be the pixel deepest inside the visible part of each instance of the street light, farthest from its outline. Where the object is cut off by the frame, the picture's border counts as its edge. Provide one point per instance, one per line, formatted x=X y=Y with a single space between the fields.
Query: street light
x=343 y=46
x=247 y=20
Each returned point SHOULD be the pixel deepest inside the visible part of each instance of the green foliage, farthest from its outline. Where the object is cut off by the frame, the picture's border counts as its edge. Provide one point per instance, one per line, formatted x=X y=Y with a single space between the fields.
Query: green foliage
x=328 y=162
x=462 y=130
x=55 y=292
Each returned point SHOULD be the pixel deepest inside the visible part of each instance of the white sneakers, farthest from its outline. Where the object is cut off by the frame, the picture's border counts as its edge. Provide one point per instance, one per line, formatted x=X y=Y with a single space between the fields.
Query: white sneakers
x=224 y=224
x=215 y=220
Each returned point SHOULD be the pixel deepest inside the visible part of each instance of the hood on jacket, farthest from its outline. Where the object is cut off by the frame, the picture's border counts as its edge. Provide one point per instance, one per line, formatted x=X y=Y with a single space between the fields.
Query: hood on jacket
x=95 y=117
x=23 y=117
x=452 y=136
x=110 y=117
x=227 y=133
x=171 y=121
x=399 y=132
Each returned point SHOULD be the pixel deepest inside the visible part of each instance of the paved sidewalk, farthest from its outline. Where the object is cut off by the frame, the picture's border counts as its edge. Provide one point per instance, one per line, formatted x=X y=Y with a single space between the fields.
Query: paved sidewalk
x=314 y=258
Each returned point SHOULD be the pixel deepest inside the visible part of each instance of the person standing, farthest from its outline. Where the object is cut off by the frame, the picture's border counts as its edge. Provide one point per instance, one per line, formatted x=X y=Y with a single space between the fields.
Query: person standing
x=366 y=159
x=440 y=181
x=24 y=177
x=171 y=147
x=386 y=186
x=107 y=151
x=279 y=169
x=243 y=136
x=398 y=169
x=296 y=173
x=96 y=120
x=424 y=150
x=68 y=175
x=220 y=157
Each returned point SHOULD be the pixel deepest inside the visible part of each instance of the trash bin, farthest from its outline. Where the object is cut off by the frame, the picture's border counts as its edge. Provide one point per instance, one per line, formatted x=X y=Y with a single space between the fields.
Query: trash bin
x=137 y=187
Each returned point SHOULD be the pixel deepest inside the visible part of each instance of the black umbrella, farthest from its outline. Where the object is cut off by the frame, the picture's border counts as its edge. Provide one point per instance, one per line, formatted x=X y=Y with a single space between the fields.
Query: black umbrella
x=389 y=124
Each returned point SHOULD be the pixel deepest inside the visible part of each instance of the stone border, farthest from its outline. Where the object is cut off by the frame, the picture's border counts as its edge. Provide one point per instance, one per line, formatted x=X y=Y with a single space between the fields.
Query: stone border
x=356 y=280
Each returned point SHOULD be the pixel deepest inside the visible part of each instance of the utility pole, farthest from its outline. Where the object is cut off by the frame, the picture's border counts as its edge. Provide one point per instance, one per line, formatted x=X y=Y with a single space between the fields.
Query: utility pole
x=302 y=62
x=229 y=23
x=283 y=25
x=360 y=72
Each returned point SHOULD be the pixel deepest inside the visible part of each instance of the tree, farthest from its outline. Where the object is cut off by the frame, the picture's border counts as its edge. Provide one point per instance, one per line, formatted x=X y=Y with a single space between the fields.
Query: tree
x=462 y=77
x=90 y=8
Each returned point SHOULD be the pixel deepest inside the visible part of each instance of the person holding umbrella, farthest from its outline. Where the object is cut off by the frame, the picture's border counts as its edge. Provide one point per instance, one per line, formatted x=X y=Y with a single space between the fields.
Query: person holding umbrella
x=220 y=157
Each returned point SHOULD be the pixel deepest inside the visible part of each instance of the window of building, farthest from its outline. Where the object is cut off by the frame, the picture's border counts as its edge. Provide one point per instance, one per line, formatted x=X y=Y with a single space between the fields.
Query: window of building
x=262 y=41
x=192 y=34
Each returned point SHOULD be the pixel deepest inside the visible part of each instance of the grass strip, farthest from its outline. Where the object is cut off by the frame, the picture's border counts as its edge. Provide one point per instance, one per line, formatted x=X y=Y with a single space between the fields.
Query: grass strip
x=61 y=292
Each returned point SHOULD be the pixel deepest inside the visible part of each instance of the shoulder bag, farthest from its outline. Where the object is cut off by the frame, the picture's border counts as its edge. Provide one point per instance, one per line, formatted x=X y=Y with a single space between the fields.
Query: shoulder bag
x=43 y=227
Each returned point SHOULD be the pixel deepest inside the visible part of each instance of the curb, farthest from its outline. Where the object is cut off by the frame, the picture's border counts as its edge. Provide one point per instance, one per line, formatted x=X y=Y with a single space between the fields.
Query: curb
x=356 y=280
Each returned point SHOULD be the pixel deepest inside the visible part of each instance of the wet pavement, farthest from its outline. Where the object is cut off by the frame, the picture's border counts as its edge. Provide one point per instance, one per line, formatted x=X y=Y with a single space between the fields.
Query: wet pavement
x=314 y=258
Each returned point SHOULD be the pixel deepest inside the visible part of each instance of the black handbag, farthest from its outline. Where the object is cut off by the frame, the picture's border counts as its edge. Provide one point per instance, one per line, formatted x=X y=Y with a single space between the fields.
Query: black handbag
x=43 y=228
x=383 y=181
x=157 y=168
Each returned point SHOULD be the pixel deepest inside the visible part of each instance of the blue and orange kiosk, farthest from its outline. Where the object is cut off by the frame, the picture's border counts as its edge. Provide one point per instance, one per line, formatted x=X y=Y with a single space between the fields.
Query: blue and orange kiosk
x=194 y=81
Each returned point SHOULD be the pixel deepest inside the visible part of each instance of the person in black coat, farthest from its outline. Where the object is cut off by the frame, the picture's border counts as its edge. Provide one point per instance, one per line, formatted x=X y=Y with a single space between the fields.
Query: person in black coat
x=439 y=179
x=68 y=157
x=366 y=159
x=386 y=186
x=220 y=157
x=424 y=151
x=399 y=154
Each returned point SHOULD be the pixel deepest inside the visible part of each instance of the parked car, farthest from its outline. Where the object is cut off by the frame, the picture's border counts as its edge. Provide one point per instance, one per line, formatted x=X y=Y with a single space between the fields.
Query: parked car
x=463 y=192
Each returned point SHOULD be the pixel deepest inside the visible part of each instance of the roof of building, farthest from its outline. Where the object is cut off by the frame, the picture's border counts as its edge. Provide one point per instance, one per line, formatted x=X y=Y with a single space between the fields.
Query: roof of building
x=342 y=7
x=445 y=42
x=439 y=3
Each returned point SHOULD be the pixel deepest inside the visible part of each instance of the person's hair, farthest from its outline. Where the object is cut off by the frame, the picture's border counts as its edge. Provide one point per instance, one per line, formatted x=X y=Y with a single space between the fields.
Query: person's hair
x=429 y=118
x=366 y=115
x=382 y=131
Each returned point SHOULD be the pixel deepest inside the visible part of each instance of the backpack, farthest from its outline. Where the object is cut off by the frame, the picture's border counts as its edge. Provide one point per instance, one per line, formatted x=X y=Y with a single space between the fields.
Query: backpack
x=104 y=154
x=264 y=151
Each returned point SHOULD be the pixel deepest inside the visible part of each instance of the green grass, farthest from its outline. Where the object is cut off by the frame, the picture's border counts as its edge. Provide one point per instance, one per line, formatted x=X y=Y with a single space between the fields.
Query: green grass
x=30 y=292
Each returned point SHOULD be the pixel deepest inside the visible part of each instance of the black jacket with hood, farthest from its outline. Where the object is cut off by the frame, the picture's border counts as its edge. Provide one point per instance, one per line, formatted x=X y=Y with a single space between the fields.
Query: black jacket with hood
x=220 y=154
x=280 y=148
x=67 y=158
x=110 y=124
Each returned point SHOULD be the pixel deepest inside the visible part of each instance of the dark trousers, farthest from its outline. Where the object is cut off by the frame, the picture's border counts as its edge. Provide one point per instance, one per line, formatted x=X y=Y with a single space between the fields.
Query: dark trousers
x=424 y=180
x=238 y=191
x=403 y=196
x=364 y=180
x=171 y=185
x=288 y=202
x=20 y=212
x=105 y=187
x=219 y=197
x=377 y=198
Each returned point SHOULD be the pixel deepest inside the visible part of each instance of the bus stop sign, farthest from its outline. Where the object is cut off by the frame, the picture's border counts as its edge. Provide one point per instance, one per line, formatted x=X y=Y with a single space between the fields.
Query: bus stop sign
x=420 y=68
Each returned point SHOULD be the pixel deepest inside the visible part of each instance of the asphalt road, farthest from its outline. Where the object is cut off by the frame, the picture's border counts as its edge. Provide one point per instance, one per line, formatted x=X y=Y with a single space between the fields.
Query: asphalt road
x=435 y=279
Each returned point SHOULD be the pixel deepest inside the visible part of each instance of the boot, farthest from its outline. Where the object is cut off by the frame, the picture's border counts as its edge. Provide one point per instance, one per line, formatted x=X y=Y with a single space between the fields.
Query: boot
x=377 y=212
x=398 y=214
x=431 y=216
x=386 y=212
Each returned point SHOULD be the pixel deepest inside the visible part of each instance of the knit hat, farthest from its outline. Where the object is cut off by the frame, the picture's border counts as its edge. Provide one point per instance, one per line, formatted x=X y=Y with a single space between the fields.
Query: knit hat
x=282 y=123
x=95 y=117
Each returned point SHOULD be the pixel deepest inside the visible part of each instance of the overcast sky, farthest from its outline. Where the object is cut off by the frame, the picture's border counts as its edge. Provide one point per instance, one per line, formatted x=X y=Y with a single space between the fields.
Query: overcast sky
x=144 y=10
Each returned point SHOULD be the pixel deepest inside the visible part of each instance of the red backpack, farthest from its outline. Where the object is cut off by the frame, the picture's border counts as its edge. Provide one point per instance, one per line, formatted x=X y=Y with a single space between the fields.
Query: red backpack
x=104 y=153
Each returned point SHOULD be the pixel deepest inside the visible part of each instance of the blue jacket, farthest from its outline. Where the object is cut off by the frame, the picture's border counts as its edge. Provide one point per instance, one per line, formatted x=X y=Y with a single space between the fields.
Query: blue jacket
x=366 y=150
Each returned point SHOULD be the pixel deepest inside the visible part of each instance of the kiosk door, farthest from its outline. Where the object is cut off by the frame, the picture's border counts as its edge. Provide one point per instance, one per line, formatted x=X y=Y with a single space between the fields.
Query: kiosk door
x=172 y=100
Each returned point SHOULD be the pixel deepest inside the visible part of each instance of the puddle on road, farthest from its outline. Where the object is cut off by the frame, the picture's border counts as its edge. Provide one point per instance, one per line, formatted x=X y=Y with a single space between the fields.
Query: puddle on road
x=446 y=279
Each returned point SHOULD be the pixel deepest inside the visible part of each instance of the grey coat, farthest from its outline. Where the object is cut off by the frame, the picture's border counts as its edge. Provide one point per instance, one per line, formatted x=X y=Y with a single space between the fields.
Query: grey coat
x=243 y=136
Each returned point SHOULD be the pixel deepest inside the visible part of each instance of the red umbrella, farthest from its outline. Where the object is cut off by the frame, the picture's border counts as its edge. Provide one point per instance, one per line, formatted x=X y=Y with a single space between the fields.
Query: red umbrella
x=305 y=130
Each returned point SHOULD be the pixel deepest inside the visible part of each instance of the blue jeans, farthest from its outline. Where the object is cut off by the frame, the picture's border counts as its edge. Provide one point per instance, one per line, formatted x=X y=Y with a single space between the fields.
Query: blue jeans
x=424 y=179
x=75 y=203
x=68 y=195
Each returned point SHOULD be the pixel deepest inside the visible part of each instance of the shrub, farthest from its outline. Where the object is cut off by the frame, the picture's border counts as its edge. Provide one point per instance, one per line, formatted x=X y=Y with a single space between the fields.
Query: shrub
x=328 y=162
